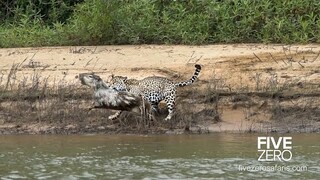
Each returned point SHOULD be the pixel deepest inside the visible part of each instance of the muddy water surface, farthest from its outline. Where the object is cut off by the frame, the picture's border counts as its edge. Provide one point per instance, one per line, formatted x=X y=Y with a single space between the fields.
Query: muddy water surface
x=151 y=157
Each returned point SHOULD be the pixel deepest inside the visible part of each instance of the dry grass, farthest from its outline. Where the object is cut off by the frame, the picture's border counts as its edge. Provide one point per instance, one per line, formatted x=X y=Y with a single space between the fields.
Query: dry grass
x=62 y=107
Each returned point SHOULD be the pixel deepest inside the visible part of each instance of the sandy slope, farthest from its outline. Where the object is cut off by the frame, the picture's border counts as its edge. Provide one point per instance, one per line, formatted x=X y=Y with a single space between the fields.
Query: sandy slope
x=144 y=60
x=238 y=65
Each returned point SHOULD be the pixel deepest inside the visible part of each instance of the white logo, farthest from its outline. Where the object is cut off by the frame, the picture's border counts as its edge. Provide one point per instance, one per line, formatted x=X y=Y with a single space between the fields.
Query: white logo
x=273 y=149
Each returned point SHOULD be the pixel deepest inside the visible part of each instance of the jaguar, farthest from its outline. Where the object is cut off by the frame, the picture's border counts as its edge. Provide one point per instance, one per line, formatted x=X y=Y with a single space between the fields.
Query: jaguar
x=153 y=88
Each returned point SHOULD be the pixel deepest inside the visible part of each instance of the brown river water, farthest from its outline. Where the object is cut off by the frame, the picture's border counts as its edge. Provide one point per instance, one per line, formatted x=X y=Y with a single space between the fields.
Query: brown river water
x=213 y=156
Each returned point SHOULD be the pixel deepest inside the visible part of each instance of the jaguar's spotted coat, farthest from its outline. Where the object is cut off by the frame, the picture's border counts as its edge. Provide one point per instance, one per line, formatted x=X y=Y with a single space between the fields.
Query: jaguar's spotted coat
x=154 y=89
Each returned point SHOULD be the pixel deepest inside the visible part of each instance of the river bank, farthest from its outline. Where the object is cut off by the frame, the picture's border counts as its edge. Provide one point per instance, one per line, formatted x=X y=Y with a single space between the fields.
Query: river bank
x=241 y=88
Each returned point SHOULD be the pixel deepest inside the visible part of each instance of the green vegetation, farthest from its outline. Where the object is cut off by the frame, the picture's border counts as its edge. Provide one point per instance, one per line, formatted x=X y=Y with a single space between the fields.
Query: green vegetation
x=96 y=22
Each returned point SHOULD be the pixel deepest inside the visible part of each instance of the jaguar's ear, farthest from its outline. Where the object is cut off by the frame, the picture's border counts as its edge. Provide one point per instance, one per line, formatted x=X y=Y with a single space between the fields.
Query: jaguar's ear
x=122 y=78
x=110 y=77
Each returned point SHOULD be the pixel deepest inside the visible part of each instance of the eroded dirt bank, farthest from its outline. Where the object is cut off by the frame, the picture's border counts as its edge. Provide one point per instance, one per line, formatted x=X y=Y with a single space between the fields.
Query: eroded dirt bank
x=242 y=88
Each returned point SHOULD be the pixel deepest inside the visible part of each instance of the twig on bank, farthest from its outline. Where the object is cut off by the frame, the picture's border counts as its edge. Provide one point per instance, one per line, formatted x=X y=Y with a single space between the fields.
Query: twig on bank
x=257 y=57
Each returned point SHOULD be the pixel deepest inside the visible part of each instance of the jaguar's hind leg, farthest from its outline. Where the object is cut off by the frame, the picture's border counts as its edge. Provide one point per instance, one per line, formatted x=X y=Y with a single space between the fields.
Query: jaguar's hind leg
x=170 y=100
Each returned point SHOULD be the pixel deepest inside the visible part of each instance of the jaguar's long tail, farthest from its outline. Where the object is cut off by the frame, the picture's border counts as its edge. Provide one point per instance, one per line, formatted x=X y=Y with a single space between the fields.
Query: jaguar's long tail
x=192 y=79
